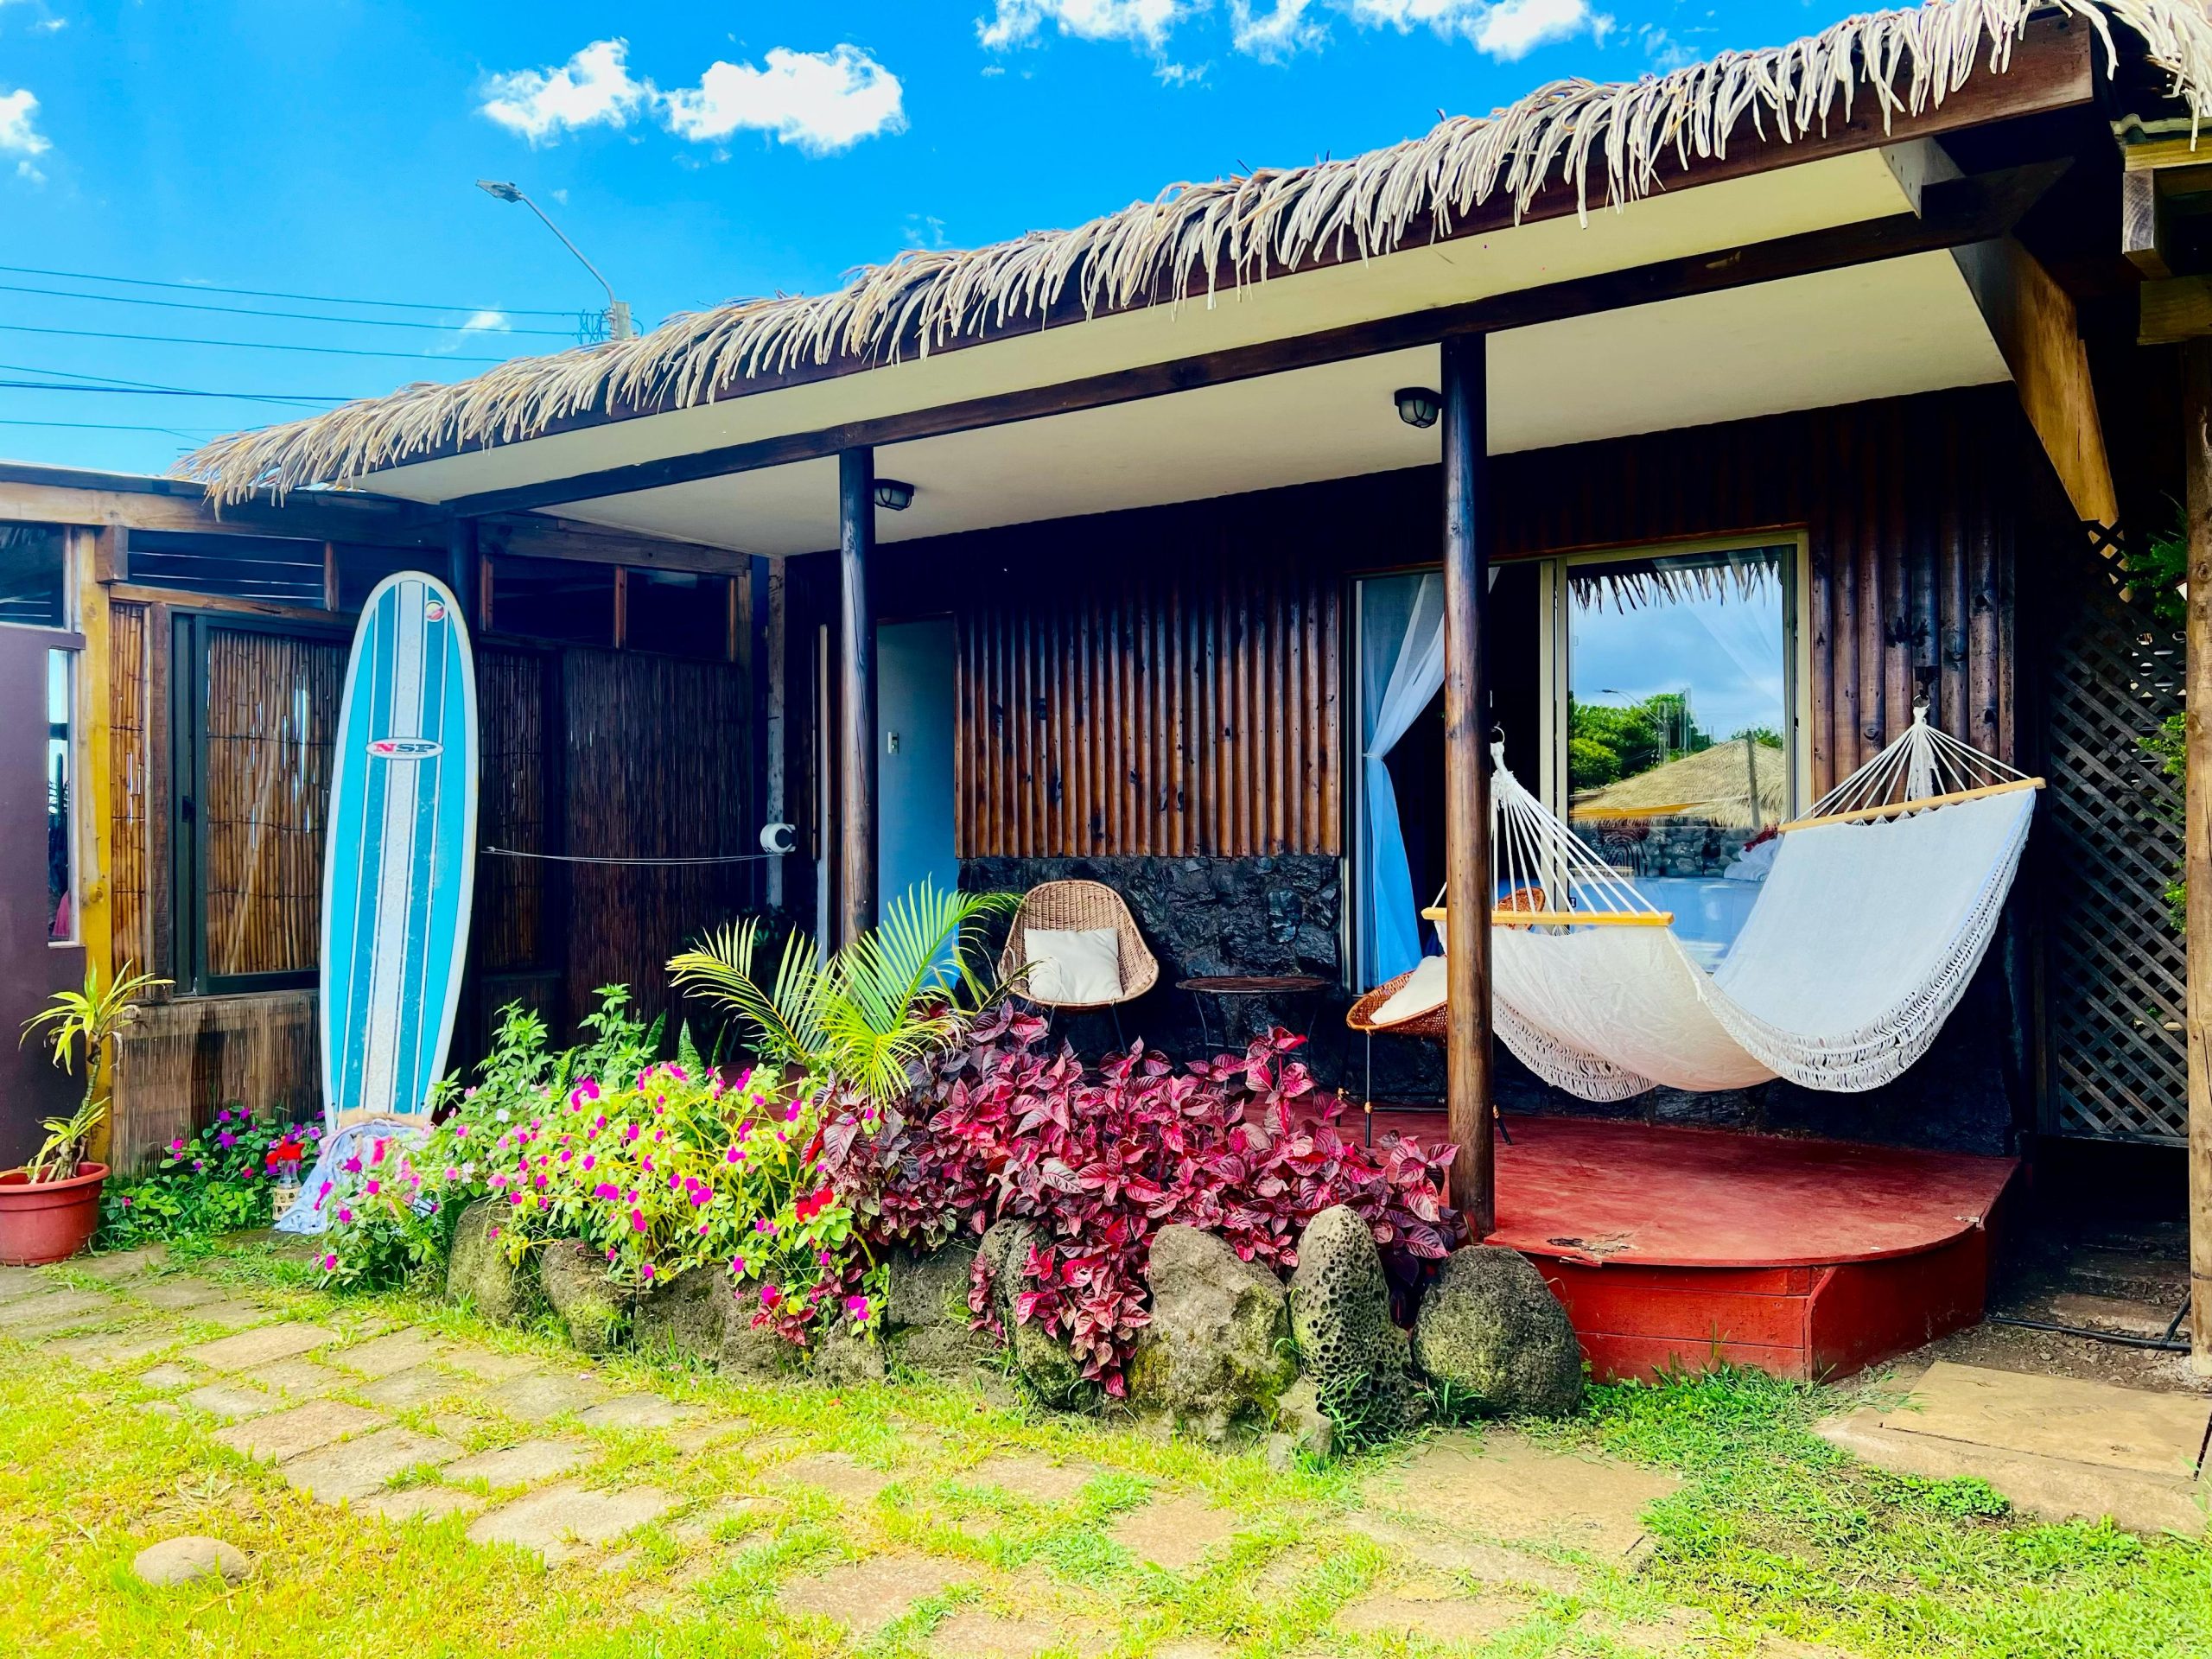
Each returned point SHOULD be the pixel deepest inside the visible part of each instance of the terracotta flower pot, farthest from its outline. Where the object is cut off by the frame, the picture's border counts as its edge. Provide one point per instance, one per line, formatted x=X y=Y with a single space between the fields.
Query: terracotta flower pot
x=49 y=1221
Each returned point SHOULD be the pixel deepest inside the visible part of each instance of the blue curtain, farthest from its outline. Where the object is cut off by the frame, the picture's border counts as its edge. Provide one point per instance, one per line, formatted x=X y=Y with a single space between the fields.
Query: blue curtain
x=1401 y=669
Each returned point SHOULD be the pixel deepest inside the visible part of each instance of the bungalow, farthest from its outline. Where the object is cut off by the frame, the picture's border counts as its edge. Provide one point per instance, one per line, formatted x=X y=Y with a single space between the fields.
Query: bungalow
x=1683 y=439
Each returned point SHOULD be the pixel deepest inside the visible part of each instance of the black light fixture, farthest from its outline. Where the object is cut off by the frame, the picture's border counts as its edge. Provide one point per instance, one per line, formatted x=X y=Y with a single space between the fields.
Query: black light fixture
x=893 y=494
x=1418 y=405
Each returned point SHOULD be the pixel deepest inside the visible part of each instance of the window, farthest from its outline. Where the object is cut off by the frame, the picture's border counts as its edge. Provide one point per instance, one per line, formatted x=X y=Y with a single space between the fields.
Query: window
x=563 y=599
x=679 y=613
x=1649 y=697
x=256 y=709
x=61 y=783
x=34 y=575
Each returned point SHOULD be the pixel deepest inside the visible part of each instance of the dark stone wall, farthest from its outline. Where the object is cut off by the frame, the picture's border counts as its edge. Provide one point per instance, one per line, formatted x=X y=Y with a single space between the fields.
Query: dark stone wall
x=1283 y=915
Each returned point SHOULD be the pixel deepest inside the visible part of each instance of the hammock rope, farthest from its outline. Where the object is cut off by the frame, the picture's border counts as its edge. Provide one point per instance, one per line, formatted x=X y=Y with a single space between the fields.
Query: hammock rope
x=1878 y=908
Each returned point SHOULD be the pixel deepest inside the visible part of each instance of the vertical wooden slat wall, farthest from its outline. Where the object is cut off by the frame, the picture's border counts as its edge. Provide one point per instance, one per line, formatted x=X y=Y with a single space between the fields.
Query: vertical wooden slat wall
x=510 y=810
x=1132 y=704
x=130 y=789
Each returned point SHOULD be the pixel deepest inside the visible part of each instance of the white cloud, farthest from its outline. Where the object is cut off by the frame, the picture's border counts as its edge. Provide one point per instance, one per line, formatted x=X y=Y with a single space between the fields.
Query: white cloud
x=819 y=101
x=487 y=322
x=593 y=88
x=51 y=25
x=1147 y=22
x=1275 y=33
x=1506 y=29
x=19 y=134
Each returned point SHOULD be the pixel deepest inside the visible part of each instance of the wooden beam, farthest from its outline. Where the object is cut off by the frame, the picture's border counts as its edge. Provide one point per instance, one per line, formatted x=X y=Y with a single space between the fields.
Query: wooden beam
x=1468 y=888
x=1954 y=212
x=2196 y=854
x=2142 y=241
x=2032 y=320
x=536 y=535
x=2172 y=311
x=857 y=762
x=57 y=496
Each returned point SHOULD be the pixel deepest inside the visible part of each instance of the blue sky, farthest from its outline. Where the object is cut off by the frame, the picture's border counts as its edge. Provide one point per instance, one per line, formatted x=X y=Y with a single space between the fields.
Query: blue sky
x=696 y=153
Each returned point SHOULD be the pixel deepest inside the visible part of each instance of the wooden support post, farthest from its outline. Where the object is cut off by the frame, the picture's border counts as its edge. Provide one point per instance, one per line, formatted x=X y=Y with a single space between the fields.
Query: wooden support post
x=460 y=572
x=772 y=682
x=1468 y=888
x=856 y=765
x=2196 y=856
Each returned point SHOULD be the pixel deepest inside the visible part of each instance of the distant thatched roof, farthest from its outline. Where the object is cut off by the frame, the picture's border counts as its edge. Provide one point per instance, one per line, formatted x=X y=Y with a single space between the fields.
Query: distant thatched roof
x=1278 y=219
x=1713 y=787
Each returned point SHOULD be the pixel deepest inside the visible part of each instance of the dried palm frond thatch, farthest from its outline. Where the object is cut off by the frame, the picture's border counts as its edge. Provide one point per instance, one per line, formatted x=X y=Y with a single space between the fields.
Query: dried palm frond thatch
x=1619 y=136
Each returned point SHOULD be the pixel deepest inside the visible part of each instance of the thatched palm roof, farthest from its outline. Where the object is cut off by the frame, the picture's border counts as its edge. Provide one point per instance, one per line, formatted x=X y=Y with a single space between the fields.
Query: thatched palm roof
x=1713 y=786
x=1274 y=220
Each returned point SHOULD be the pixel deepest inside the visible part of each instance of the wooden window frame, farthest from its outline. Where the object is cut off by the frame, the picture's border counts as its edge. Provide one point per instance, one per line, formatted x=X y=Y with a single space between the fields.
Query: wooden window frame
x=188 y=632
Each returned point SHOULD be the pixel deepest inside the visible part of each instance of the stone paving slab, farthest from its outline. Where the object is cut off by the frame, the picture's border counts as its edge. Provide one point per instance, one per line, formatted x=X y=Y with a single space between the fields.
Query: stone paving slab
x=424 y=1385
x=835 y=1473
x=397 y=1351
x=421 y=1504
x=110 y=1348
x=557 y=1521
x=16 y=1283
x=636 y=1411
x=282 y=1435
x=357 y=1469
x=167 y=1374
x=263 y=1346
x=233 y=1314
x=296 y=1379
x=1173 y=1533
x=1488 y=1563
x=866 y=1595
x=57 y=1311
x=1033 y=1479
x=2057 y=1417
x=1469 y=1620
x=179 y=1290
x=122 y=1264
x=537 y=1396
x=524 y=1464
x=490 y=1364
x=1503 y=1487
x=228 y=1400
x=977 y=1633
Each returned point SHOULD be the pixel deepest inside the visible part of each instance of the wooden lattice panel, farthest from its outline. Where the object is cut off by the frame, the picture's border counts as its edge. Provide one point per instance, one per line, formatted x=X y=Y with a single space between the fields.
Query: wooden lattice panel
x=2114 y=1063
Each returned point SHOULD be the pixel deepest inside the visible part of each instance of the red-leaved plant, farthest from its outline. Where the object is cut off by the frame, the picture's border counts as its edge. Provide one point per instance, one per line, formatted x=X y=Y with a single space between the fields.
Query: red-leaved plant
x=1099 y=1161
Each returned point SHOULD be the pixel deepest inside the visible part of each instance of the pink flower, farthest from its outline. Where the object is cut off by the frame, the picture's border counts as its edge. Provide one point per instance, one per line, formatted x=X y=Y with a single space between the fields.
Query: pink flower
x=629 y=1131
x=857 y=1307
x=589 y=1161
x=604 y=1190
x=373 y=1186
x=353 y=1166
x=737 y=1265
x=177 y=1145
x=790 y=1113
x=645 y=1272
x=769 y=1295
x=460 y=1130
x=330 y=1262
x=492 y=1233
x=345 y=1213
x=323 y=1194
x=637 y=1221
x=734 y=1155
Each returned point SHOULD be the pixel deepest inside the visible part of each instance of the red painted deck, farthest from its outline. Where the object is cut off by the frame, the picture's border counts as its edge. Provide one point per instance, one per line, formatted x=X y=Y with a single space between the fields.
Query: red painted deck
x=1677 y=1248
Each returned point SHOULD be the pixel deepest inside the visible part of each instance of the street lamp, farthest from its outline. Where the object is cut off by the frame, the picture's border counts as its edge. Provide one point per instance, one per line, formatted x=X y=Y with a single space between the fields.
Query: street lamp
x=618 y=325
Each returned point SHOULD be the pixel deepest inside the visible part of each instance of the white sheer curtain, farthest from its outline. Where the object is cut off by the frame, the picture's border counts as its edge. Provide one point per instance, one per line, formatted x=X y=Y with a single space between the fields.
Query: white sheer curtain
x=1401 y=669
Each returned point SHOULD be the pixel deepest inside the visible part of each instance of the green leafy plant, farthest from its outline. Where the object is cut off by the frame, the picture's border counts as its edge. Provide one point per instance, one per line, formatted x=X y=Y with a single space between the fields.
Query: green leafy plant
x=82 y=1023
x=872 y=1017
x=217 y=1180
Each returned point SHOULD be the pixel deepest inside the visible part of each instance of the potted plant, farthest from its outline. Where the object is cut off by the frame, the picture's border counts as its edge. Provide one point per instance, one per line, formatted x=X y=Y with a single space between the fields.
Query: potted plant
x=49 y=1207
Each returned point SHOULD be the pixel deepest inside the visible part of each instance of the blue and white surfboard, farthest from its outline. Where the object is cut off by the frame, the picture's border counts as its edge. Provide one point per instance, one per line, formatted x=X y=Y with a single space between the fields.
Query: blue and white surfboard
x=399 y=870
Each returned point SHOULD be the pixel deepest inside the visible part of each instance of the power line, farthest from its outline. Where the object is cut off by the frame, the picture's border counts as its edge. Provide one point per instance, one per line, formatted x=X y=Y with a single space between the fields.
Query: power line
x=271 y=294
x=188 y=435
x=302 y=398
x=242 y=345
x=289 y=316
x=108 y=380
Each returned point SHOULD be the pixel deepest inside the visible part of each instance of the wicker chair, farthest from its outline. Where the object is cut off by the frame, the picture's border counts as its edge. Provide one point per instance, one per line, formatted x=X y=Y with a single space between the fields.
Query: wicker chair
x=1434 y=1026
x=1079 y=907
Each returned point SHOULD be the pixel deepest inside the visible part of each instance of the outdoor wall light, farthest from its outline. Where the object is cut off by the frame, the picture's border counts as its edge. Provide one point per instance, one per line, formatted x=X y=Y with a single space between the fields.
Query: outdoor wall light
x=1418 y=405
x=893 y=494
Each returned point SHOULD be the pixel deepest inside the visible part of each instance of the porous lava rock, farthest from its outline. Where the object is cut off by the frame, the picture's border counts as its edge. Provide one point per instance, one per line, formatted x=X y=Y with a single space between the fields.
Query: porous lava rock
x=1495 y=1339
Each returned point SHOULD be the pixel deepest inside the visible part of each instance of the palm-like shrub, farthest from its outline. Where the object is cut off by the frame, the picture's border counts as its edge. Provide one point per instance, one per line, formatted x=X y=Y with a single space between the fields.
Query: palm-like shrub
x=82 y=1022
x=872 y=1017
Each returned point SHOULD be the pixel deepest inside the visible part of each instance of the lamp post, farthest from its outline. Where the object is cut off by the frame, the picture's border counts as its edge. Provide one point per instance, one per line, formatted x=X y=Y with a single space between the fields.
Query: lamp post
x=618 y=325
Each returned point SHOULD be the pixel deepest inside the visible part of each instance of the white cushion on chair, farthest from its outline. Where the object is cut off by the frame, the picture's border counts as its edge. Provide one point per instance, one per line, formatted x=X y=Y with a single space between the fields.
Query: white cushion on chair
x=1422 y=993
x=1073 y=966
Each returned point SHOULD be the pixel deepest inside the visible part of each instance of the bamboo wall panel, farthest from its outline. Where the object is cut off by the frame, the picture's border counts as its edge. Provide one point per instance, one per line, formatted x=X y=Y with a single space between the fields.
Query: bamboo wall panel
x=272 y=709
x=1179 y=708
x=130 y=787
x=510 y=912
x=656 y=758
x=183 y=1060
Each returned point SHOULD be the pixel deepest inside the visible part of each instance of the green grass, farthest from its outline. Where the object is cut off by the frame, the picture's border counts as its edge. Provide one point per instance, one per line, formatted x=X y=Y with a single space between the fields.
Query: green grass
x=1773 y=1530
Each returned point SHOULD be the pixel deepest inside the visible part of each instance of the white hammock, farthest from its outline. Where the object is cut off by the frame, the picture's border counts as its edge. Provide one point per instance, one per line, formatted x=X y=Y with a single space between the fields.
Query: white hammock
x=1877 y=910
